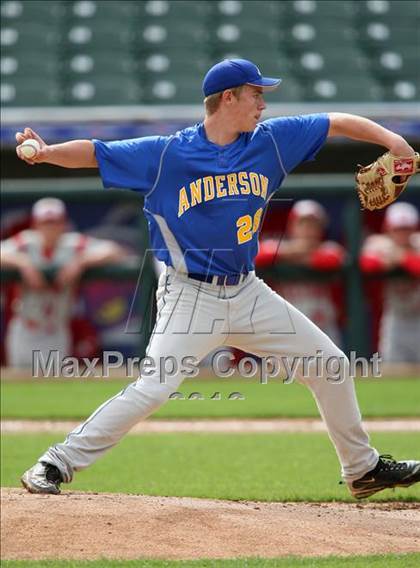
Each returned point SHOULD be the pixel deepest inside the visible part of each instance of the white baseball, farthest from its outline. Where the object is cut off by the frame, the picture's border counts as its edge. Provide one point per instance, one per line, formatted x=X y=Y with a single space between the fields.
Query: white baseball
x=29 y=148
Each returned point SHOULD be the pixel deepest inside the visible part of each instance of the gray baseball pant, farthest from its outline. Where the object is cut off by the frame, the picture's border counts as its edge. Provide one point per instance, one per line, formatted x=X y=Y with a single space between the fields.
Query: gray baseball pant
x=195 y=318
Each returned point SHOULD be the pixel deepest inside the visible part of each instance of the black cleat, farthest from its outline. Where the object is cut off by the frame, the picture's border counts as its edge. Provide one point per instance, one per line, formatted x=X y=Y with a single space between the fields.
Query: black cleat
x=42 y=478
x=388 y=473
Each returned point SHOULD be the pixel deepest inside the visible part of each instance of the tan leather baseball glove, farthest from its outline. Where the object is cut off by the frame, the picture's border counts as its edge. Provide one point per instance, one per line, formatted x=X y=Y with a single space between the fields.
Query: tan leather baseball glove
x=383 y=181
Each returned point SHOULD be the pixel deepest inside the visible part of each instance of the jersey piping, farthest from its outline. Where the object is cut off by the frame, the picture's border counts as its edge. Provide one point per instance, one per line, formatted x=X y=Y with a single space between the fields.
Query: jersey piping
x=278 y=154
x=160 y=166
x=172 y=245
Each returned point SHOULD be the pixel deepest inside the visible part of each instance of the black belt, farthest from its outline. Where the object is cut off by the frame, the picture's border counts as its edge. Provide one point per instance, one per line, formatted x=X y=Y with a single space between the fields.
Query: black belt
x=227 y=280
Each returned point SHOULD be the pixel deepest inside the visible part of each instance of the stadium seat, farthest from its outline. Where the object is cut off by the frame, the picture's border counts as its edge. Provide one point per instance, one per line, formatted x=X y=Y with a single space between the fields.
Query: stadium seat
x=402 y=90
x=100 y=12
x=32 y=11
x=238 y=36
x=166 y=11
x=22 y=64
x=29 y=37
x=183 y=89
x=172 y=62
x=248 y=13
x=396 y=63
x=101 y=91
x=169 y=35
x=88 y=63
x=318 y=36
x=343 y=89
x=106 y=36
x=310 y=64
x=19 y=91
x=319 y=10
x=388 y=11
x=376 y=35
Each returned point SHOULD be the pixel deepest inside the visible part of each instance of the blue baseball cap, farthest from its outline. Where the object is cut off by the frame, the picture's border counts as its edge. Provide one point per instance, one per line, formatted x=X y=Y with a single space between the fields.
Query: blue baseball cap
x=231 y=73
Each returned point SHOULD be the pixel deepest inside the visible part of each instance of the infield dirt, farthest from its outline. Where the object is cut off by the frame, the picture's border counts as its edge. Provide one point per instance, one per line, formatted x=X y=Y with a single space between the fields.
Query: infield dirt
x=90 y=525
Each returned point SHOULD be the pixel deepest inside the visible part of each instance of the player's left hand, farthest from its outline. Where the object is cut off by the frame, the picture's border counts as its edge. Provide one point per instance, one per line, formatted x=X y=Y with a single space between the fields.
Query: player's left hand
x=379 y=184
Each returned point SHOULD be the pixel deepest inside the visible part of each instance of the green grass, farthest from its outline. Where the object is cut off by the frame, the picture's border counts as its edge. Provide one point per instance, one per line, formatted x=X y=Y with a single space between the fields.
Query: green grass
x=377 y=561
x=61 y=399
x=268 y=467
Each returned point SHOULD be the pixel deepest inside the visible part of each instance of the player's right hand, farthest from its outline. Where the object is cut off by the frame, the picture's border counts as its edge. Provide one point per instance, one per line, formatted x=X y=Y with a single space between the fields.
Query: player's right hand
x=28 y=134
x=32 y=277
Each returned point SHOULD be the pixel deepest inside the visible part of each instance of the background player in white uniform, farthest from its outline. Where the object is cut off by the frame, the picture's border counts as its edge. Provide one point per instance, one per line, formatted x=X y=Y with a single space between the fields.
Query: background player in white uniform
x=304 y=244
x=399 y=245
x=206 y=188
x=42 y=310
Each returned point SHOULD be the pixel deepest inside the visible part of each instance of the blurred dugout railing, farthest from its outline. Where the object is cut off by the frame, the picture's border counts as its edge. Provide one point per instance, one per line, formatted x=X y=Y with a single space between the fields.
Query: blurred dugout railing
x=296 y=187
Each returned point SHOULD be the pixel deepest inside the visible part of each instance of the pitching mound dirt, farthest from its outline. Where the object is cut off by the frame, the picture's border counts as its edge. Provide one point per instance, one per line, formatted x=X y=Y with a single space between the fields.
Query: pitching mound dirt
x=89 y=525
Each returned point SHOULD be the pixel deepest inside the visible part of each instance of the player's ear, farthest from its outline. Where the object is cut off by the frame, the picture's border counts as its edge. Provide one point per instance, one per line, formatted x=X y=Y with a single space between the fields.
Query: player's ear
x=228 y=96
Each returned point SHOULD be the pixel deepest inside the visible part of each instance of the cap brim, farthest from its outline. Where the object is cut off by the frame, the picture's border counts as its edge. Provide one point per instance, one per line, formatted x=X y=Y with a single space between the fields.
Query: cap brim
x=267 y=83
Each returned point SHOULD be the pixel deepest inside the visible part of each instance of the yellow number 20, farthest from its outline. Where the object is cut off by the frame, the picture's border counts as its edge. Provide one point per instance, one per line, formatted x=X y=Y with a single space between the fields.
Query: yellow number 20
x=247 y=226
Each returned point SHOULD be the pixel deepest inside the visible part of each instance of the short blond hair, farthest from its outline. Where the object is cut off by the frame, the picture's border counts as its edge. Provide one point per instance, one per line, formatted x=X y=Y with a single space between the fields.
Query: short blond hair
x=212 y=102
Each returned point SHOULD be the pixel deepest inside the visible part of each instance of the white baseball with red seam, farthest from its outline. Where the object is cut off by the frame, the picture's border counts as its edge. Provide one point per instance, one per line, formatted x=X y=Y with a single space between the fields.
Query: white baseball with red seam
x=29 y=148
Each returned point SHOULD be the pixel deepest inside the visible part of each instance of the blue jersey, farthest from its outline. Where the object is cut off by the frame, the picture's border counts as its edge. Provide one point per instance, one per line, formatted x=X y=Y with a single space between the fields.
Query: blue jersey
x=204 y=202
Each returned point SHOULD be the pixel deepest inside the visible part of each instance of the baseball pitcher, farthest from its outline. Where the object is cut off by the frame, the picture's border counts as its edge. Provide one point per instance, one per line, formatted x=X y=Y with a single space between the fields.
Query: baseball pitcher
x=206 y=189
